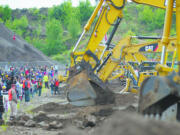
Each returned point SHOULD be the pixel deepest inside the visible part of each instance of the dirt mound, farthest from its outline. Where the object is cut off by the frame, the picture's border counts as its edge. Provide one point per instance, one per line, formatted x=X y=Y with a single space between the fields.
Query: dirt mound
x=130 y=124
x=124 y=123
x=18 y=49
x=55 y=108
x=125 y=99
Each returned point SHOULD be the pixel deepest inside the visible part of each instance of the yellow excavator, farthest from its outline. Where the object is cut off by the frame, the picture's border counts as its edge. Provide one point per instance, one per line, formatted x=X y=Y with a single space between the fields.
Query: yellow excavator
x=130 y=54
x=156 y=93
x=77 y=57
x=84 y=87
x=159 y=93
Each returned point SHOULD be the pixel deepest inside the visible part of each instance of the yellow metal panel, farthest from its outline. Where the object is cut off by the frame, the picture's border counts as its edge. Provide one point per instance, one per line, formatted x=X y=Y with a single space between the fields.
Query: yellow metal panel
x=87 y=27
x=156 y=3
x=178 y=29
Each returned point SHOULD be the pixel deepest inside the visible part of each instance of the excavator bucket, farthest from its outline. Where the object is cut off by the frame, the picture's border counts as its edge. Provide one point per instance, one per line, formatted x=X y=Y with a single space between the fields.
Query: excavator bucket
x=157 y=94
x=84 y=89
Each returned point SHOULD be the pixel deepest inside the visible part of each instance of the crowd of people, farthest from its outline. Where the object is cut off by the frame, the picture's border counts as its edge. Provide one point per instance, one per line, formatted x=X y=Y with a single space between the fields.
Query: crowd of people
x=23 y=83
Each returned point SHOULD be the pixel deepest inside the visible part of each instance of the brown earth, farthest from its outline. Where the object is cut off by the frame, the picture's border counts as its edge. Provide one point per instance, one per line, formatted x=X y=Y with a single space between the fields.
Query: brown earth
x=124 y=123
x=120 y=118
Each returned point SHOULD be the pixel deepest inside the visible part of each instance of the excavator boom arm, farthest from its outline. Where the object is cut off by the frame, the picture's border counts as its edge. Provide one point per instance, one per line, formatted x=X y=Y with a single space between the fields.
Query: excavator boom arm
x=155 y=3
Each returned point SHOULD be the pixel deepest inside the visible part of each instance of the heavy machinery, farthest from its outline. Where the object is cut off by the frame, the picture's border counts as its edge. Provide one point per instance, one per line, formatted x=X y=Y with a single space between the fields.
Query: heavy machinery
x=85 y=88
x=130 y=54
x=122 y=50
x=156 y=93
x=77 y=57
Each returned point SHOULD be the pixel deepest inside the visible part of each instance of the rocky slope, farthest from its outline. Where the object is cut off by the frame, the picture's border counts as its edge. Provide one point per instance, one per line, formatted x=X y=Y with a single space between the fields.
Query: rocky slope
x=18 y=49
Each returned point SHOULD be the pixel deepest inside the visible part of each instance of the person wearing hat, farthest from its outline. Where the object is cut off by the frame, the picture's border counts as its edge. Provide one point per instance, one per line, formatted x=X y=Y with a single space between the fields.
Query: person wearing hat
x=13 y=101
x=5 y=99
x=8 y=83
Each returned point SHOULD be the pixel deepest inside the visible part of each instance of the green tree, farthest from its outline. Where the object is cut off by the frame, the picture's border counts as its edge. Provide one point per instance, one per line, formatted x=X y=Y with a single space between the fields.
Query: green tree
x=74 y=27
x=158 y=17
x=62 y=12
x=54 y=33
x=5 y=13
x=38 y=43
x=18 y=25
x=153 y=18
x=85 y=9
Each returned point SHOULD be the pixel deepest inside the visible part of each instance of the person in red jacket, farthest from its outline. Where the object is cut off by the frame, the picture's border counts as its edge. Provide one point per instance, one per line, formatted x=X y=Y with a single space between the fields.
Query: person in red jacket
x=56 y=87
x=13 y=101
x=26 y=87
x=14 y=37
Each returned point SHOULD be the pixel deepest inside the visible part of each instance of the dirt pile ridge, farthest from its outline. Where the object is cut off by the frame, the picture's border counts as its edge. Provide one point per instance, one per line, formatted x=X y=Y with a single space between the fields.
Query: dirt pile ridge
x=18 y=49
x=55 y=108
x=126 y=123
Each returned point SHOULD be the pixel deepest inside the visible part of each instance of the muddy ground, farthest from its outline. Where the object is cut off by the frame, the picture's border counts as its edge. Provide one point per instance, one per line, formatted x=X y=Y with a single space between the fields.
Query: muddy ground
x=52 y=115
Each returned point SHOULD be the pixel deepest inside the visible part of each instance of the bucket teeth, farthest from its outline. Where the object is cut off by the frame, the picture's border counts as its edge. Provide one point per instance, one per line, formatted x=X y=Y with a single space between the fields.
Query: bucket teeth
x=157 y=117
x=169 y=114
x=157 y=94
x=153 y=116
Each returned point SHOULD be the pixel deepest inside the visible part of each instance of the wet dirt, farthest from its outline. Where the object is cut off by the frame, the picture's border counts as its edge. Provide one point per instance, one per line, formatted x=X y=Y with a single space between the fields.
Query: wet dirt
x=55 y=108
x=120 y=118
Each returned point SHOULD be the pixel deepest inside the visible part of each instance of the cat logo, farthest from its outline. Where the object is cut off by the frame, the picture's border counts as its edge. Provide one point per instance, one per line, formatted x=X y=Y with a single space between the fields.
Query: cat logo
x=149 y=48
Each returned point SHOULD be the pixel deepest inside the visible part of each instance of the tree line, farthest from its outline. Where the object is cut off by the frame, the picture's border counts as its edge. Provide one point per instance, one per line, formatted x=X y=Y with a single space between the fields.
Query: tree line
x=62 y=24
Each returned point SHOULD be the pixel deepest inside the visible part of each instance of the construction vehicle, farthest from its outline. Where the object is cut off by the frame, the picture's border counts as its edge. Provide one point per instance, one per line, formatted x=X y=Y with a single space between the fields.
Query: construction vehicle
x=77 y=57
x=135 y=56
x=124 y=52
x=156 y=93
x=125 y=48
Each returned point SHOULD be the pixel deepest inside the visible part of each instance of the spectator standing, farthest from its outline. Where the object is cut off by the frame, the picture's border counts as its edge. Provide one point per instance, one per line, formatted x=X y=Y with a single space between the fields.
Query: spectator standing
x=8 y=83
x=26 y=87
x=5 y=99
x=13 y=101
x=56 y=87
x=39 y=86
x=20 y=91
x=45 y=79
x=18 y=88
x=52 y=87
x=34 y=87
x=14 y=37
